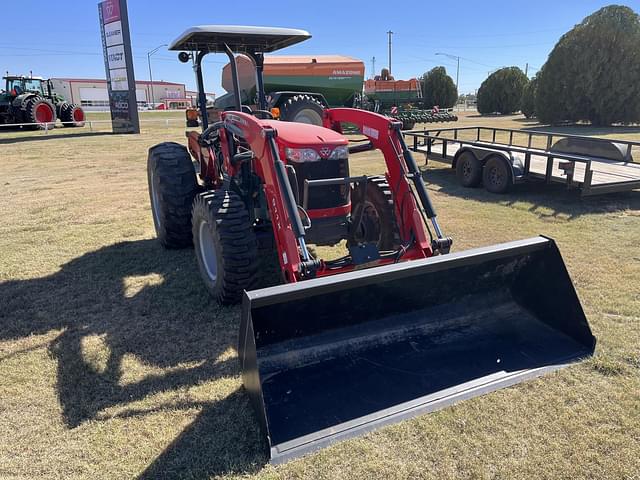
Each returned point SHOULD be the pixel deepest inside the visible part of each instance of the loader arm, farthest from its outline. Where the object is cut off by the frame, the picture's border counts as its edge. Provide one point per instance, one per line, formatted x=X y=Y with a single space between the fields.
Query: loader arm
x=287 y=225
x=385 y=134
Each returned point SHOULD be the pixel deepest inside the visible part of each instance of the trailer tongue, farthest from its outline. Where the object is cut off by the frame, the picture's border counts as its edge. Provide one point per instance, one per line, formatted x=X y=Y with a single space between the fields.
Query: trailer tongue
x=328 y=359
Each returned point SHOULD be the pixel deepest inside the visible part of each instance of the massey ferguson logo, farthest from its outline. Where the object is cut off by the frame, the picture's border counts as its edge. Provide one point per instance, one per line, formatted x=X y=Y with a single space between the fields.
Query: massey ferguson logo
x=325 y=152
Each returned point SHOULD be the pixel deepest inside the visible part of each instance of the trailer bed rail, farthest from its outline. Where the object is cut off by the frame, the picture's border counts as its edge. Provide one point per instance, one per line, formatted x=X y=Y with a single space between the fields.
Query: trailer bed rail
x=532 y=157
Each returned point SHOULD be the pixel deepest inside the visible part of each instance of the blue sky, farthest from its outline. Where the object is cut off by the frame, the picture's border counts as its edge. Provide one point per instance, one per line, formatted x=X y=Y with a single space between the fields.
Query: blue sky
x=487 y=35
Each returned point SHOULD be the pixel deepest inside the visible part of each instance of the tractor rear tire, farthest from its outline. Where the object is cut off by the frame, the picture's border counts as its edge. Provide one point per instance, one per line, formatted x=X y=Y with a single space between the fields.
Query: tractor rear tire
x=71 y=115
x=302 y=109
x=468 y=170
x=379 y=223
x=172 y=188
x=225 y=244
x=496 y=175
x=39 y=110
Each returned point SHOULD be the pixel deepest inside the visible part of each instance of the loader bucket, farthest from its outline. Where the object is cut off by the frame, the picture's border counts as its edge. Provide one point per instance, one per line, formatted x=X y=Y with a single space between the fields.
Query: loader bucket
x=331 y=358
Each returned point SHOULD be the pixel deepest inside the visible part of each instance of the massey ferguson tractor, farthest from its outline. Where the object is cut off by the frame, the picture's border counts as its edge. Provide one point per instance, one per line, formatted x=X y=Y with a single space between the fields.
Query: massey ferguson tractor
x=31 y=100
x=393 y=327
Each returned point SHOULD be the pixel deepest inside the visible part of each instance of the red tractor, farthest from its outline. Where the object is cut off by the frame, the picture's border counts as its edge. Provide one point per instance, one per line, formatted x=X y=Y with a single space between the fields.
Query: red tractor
x=380 y=333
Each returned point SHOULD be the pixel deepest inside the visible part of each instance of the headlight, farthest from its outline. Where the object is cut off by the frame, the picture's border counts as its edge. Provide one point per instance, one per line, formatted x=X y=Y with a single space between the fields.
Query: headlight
x=301 y=155
x=339 y=153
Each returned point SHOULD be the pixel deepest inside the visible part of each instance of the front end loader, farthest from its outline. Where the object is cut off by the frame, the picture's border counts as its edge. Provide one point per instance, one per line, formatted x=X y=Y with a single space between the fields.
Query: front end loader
x=396 y=325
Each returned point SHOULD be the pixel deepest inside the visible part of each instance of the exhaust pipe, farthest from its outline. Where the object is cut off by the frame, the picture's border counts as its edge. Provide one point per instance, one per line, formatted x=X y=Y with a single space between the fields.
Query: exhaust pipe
x=331 y=358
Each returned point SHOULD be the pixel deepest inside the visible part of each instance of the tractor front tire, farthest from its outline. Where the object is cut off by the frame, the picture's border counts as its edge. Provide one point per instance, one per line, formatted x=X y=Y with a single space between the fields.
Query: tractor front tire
x=379 y=217
x=172 y=188
x=71 y=115
x=468 y=170
x=302 y=109
x=225 y=244
x=40 y=111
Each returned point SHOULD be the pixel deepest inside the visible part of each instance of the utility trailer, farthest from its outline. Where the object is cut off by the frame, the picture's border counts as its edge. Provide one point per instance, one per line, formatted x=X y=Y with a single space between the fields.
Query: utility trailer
x=498 y=158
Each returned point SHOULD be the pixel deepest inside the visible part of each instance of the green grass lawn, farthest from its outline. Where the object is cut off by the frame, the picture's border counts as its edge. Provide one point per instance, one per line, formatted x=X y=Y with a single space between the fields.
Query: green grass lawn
x=115 y=363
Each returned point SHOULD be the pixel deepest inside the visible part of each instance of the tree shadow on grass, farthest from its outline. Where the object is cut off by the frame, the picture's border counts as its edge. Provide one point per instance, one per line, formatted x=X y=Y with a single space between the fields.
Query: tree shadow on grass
x=546 y=201
x=140 y=300
x=575 y=129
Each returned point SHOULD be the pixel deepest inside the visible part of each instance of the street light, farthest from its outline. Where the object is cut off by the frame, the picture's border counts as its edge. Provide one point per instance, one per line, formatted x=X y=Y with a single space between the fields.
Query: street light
x=454 y=57
x=153 y=99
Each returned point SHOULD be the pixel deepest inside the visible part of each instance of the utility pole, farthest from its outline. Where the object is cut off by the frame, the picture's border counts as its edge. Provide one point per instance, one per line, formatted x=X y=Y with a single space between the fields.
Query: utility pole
x=373 y=67
x=457 y=59
x=389 y=33
x=526 y=70
x=153 y=99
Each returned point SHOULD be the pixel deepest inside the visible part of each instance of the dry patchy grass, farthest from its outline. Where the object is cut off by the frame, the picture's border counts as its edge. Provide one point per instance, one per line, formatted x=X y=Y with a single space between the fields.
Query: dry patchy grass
x=116 y=364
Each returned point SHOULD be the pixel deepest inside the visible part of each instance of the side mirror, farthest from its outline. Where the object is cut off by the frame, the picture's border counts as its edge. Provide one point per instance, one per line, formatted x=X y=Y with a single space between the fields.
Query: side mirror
x=184 y=57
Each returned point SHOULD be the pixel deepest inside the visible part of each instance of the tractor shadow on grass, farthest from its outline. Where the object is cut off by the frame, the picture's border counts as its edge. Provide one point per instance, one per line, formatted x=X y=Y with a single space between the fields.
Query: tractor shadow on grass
x=545 y=201
x=140 y=302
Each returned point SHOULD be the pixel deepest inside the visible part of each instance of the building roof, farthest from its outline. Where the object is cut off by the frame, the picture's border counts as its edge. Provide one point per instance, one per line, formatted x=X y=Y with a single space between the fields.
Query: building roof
x=102 y=80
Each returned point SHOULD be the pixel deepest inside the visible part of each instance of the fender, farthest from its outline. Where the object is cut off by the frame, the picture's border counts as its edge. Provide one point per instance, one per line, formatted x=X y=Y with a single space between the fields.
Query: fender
x=22 y=98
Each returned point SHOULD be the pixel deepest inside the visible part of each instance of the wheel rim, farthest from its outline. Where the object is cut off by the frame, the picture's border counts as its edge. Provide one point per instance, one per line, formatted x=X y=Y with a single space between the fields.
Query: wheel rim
x=496 y=176
x=43 y=113
x=466 y=169
x=155 y=200
x=78 y=115
x=308 y=116
x=208 y=250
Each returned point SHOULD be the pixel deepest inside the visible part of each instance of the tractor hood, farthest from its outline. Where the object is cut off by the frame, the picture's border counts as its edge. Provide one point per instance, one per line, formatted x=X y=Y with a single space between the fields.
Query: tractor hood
x=295 y=134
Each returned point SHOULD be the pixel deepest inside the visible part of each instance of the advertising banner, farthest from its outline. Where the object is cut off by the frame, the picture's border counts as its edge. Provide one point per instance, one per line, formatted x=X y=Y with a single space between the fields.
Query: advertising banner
x=118 y=62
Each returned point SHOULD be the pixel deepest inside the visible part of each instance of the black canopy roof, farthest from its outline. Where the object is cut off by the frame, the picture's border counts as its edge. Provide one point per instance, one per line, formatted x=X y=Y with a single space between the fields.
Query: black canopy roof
x=240 y=39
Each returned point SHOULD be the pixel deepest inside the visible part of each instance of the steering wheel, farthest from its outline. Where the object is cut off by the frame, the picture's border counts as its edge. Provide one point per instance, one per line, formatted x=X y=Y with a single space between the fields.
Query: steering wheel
x=263 y=114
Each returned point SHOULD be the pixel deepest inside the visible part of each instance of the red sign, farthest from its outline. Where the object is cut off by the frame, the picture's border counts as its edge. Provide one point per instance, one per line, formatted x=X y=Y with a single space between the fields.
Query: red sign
x=110 y=11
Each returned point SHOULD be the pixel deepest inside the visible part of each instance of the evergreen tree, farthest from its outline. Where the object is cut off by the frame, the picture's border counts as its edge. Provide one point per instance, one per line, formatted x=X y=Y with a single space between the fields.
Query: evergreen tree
x=438 y=88
x=501 y=92
x=593 y=72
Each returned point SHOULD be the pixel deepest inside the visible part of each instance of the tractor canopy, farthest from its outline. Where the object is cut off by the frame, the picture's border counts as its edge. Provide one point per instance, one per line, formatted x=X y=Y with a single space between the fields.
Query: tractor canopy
x=240 y=39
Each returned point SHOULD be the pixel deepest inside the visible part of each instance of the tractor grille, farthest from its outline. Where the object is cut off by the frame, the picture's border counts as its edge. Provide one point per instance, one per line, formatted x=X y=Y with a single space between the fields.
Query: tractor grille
x=330 y=196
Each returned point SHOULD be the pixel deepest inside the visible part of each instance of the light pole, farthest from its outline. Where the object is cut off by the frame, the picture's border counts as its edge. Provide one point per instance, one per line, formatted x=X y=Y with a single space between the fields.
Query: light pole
x=153 y=99
x=454 y=57
x=389 y=33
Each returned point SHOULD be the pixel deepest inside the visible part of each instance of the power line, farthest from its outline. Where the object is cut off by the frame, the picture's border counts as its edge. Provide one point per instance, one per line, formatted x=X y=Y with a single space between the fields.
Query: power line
x=493 y=35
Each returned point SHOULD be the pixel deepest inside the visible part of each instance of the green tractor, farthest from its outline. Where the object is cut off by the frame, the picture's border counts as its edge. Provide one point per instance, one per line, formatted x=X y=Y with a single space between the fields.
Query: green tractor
x=31 y=100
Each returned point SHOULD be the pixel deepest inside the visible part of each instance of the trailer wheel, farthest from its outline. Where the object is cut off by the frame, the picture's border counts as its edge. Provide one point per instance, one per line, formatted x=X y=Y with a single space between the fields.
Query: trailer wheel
x=496 y=175
x=225 y=244
x=302 y=109
x=379 y=218
x=468 y=170
x=172 y=187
